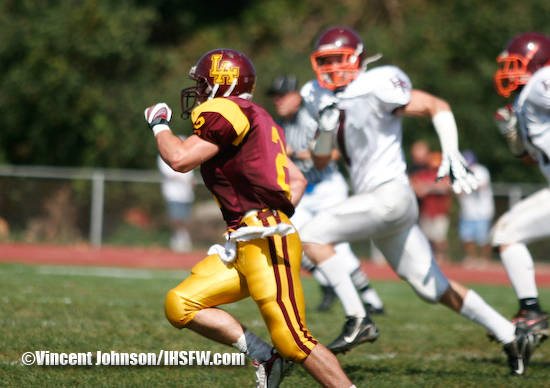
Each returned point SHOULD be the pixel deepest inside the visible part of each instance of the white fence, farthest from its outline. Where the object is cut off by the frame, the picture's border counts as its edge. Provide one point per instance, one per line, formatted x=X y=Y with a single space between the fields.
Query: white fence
x=98 y=193
x=97 y=178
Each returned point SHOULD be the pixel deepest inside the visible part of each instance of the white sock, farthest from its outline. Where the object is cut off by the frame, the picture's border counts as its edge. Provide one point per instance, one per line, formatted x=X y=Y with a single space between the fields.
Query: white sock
x=340 y=280
x=477 y=310
x=347 y=257
x=371 y=297
x=319 y=276
x=254 y=347
x=520 y=268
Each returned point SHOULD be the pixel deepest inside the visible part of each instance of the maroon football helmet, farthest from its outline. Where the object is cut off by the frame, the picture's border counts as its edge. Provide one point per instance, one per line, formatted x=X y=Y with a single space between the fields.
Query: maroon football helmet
x=524 y=54
x=219 y=73
x=338 y=57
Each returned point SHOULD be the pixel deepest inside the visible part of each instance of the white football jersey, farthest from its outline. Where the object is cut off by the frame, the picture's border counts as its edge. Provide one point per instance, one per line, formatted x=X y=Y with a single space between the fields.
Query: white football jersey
x=372 y=134
x=533 y=110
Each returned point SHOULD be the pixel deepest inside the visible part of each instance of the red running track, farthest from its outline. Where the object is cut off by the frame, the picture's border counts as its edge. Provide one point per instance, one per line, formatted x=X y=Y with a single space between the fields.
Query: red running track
x=161 y=258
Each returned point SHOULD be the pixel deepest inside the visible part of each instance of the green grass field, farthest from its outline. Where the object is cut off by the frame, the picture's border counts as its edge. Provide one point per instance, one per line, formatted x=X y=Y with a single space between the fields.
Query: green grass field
x=78 y=309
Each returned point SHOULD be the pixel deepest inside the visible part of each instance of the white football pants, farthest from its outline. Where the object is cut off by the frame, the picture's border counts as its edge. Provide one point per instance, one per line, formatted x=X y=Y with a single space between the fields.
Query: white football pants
x=388 y=215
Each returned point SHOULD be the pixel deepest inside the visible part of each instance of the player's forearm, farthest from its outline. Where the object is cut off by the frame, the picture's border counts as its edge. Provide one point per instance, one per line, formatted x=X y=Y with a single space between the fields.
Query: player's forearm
x=321 y=162
x=515 y=144
x=507 y=123
x=184 y=156
x=297 y=182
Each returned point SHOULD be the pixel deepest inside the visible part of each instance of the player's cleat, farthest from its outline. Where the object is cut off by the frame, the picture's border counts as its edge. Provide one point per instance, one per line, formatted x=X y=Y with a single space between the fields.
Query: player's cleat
x=356 y=331
x=371 y=310
x=270 y=373
x=519 y=352
x=329 y=297
x=535 y=322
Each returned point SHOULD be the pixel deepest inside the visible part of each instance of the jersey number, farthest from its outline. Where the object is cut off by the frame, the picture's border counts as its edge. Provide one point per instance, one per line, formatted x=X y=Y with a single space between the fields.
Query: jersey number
x=281 y=163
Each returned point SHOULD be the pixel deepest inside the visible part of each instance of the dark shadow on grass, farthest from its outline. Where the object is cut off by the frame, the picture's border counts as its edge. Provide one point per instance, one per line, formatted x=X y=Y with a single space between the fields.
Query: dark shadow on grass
x=502 y=361
x=360 y=370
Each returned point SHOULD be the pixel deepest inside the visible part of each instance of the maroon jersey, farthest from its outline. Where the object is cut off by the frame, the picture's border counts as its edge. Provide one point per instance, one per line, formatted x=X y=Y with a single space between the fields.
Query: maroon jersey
x=250 y=171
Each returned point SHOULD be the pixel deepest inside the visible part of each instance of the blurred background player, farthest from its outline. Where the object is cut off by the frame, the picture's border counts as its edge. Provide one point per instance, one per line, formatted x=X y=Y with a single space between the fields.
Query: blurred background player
x=325 y=187
x=477 y=210
x=434 y=205
x=363 y=110
x=420 y=154
x=178 y=190
x=256 y=192
x=524 y=69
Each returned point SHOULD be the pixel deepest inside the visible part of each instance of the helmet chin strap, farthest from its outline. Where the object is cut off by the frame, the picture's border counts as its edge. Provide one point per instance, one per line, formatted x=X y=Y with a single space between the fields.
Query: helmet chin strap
x=231 y=88
x=227 y=92
x=214 y=91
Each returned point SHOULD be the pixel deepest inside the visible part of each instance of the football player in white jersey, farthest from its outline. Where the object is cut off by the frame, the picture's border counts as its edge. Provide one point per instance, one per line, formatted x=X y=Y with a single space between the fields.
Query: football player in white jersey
x=325 y=187
x=525 y=70
x=363 y=110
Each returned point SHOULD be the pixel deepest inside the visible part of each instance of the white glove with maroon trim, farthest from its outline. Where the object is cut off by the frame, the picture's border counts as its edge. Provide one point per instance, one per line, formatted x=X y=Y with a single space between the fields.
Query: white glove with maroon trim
x=158 y=116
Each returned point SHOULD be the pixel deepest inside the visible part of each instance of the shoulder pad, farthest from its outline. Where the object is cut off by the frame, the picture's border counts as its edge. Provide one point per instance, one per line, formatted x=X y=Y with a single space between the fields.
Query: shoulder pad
x=539 y=90
x=381 y=78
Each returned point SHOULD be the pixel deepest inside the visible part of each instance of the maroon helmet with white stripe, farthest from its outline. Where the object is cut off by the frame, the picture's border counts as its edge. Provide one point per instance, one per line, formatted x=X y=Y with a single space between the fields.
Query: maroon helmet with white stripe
x=219 y=73
x=524 y=54
x=338 y=57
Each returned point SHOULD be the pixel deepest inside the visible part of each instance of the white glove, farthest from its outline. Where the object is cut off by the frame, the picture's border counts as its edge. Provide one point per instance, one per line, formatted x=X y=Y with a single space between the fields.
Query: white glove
x=329 y=119
x=506 y=121
x=158 y=116
x=454 y=165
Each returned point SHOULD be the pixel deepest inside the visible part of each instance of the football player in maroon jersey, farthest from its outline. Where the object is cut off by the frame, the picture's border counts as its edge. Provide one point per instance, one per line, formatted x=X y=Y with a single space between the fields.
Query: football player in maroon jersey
x=241 y=154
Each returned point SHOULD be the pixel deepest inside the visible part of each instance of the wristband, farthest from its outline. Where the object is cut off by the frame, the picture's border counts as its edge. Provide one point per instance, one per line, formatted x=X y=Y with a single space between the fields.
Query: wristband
x=159 y=128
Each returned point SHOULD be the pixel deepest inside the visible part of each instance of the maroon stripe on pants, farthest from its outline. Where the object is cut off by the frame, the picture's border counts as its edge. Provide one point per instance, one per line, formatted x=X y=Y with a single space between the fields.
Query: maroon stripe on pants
x=291 y=292
x=292 y=296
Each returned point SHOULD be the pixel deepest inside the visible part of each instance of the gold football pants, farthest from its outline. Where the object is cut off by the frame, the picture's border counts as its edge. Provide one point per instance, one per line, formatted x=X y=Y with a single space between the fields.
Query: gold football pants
x=268 y=270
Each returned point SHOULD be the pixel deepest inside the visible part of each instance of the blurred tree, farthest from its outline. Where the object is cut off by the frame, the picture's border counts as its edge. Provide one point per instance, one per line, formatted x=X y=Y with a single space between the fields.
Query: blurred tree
x=72 y=71
x=77 y=74
x=449 y=49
